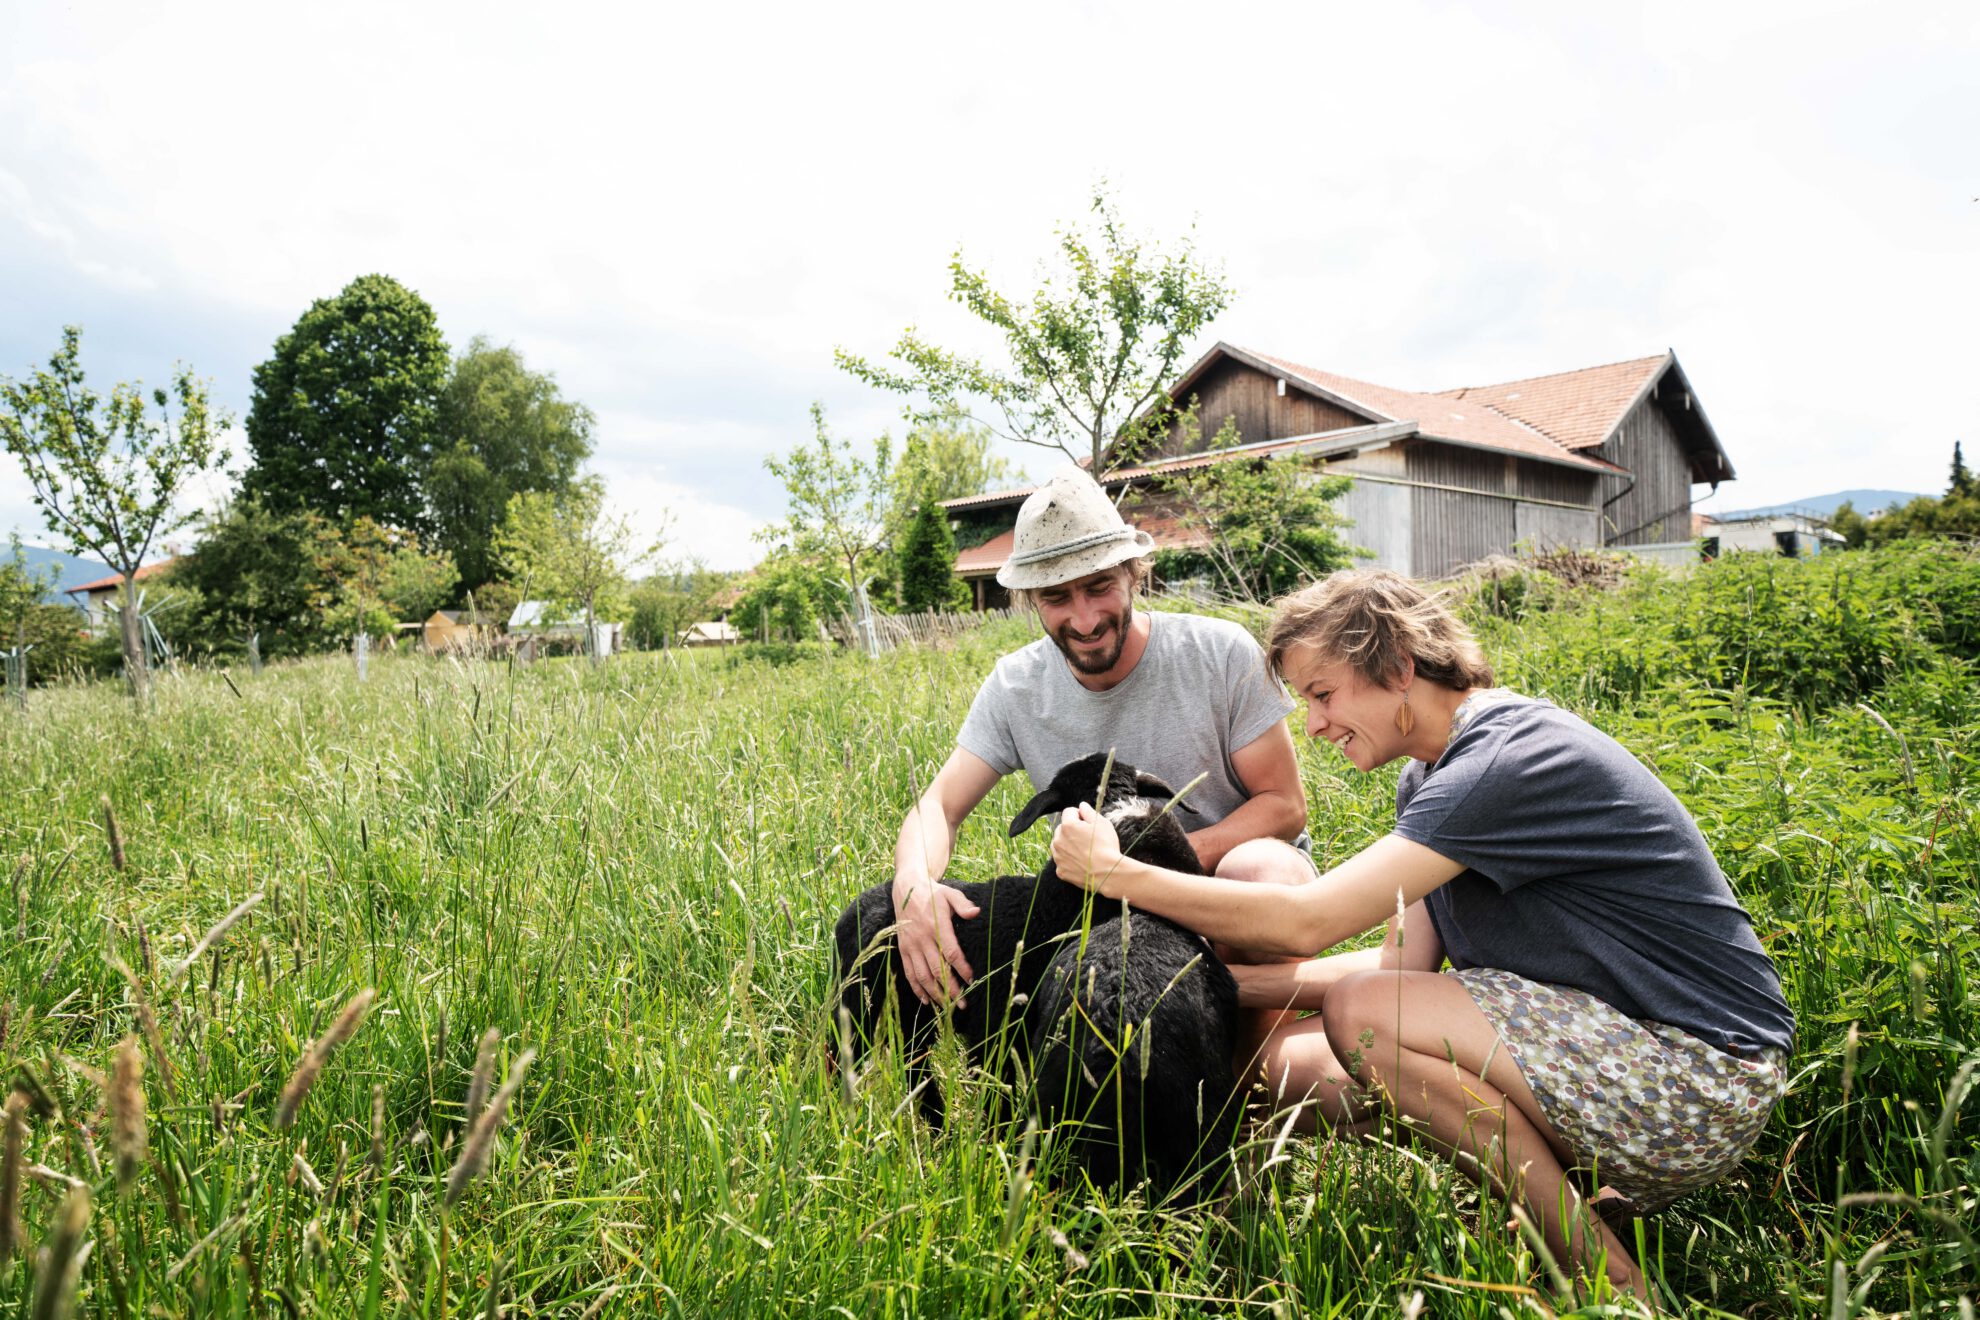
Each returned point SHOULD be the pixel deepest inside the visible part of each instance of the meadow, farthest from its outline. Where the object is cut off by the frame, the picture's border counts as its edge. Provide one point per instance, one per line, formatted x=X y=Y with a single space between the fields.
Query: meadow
x=629 y=876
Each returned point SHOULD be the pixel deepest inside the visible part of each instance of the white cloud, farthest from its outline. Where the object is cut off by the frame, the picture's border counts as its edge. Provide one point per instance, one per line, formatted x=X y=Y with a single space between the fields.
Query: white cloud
x=682 y=211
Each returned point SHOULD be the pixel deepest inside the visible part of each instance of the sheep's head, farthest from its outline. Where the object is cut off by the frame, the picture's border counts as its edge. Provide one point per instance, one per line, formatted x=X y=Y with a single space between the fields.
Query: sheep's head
x=1128 y=795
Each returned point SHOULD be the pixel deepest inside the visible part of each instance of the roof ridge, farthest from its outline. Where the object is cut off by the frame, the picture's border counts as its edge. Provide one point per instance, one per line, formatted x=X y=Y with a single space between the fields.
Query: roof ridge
x=1318 y=376
x=1458 y=392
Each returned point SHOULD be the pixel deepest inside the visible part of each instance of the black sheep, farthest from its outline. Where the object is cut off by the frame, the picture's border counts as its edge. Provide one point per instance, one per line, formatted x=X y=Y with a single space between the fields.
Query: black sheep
x=1007 y=944
x=1132 y=1039
x=1161 y=974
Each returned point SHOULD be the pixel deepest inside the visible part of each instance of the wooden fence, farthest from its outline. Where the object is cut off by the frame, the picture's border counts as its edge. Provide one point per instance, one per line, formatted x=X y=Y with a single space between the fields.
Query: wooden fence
x=896 y=630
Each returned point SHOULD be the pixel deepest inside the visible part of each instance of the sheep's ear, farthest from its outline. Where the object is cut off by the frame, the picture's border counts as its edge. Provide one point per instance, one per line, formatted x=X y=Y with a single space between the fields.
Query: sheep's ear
x=1150 y=787
x=1051 y=798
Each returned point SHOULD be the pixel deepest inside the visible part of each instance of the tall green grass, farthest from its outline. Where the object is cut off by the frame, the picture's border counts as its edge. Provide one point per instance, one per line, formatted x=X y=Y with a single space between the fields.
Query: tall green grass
x=633 y=872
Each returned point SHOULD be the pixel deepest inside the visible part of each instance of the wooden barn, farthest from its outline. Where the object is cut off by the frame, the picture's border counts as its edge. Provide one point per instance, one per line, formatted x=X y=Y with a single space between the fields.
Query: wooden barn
x=1601 y=456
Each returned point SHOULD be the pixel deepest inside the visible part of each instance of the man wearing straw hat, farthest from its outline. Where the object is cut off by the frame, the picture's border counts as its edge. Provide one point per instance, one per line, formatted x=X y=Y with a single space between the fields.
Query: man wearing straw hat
x=1174 y=694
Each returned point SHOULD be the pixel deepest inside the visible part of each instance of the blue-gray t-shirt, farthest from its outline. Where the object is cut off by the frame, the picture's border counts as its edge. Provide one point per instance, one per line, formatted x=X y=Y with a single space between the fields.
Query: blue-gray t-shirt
x=1586 y=871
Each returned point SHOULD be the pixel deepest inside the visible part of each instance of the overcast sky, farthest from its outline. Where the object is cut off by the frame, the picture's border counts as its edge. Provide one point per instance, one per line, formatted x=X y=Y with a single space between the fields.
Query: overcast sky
x=680 y=214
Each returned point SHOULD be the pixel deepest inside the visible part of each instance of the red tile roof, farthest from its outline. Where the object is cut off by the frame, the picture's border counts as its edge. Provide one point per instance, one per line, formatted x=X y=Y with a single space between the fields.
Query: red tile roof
x=1440 y=416
x=1579 y=409
x=988 y=557
x=116 y=580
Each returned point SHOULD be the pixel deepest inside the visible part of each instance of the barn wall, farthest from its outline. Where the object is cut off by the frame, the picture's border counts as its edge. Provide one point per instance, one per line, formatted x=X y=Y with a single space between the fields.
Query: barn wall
x=1543 y=527
x=1379 y=512
x=1251 y=397
x=1657 y=508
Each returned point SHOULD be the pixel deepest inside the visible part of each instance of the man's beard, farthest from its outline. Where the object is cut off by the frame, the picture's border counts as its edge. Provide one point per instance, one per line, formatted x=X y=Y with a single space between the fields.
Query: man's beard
x=1097 y=662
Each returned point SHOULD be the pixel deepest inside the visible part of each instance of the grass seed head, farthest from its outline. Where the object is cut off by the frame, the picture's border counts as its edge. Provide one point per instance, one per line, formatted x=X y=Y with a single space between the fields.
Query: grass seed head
x=318 y=1054
x=126 y=1097
x=13 y=1136
x=377 y=1159
x=61 y=1259
x=114 y=835
x=474 y=1155
x=482 y=1078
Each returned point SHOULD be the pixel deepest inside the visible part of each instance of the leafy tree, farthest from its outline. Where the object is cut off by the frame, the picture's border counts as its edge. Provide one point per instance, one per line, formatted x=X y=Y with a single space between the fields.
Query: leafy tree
x=665 y=604
x=928 y=563
x=22 y=590
x=105 y=473
x=503 y=428
x=301 y=582
x=786 y=595
x=1086 y=356
x=837 y=503
x=1954 y=514
x=383 y=576
x=568 y=550
x=1266 y=525
x=943 y=460
x=1852 y=526
x=257 y=570
x=345 y=413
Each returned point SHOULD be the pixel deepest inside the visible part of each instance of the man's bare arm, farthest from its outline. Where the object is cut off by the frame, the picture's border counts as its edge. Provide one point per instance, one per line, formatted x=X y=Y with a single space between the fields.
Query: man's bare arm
x=925 y=908
x=1269 y=771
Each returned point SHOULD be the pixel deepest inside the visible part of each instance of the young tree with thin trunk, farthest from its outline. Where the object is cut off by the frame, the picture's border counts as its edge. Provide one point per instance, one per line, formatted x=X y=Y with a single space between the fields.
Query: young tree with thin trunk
x=837 y=504
x=107 y=473
x=572 y=551
x=1087 y=357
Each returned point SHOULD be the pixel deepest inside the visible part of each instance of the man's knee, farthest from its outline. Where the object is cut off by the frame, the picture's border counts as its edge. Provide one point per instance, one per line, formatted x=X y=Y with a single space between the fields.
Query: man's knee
x=1273 y=861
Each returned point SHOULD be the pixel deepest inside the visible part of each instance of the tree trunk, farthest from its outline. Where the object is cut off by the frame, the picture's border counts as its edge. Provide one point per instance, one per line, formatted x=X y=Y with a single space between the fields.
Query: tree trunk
x=591 y=634
x=136 y=671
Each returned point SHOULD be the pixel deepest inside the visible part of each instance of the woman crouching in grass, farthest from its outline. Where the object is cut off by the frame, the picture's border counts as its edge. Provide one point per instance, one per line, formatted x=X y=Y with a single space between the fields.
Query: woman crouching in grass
x=1606 y=1009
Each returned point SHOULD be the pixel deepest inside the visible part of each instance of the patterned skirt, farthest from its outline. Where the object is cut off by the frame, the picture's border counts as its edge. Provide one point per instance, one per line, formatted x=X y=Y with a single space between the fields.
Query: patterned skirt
x=1650 y=1111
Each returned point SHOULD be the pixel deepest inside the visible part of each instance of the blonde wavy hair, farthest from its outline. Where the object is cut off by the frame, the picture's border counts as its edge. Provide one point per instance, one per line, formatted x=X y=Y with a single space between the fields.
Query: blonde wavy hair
x=1373 y=620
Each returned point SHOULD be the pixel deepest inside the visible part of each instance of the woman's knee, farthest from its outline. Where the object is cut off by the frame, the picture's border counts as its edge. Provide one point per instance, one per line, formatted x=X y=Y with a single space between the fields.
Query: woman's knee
x=1362 y=1013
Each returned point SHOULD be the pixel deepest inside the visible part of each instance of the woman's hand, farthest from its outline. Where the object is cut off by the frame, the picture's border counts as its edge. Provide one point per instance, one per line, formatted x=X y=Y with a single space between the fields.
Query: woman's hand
x=1086 y=849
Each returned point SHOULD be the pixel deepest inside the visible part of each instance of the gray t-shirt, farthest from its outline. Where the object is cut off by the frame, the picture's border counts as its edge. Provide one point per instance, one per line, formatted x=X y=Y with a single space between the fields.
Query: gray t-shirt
x=1586 y=871
x=1199 y=693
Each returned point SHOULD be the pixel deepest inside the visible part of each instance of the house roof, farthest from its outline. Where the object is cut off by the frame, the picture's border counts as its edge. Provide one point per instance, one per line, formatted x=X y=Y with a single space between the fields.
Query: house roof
x=116 y=580
x=1437 y=416
x=1578 y=409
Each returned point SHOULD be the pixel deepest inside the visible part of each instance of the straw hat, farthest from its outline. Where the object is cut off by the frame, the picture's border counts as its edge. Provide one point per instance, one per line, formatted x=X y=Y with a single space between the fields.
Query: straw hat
x=1066 y=529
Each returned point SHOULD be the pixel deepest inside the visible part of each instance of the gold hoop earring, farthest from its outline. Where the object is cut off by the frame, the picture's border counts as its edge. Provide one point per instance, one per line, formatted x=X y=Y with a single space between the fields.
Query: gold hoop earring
x=1405 y=717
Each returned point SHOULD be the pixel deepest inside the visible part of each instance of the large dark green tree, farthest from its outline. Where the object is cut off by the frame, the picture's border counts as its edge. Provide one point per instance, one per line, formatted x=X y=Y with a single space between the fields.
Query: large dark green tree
x=345 y=415
x=504 y=429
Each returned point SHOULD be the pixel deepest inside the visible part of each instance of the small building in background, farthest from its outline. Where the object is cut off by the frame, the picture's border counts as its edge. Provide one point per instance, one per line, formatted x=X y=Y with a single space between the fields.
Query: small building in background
x=98 y=599
x=1796 y=535
x=450 y=630
x=531 y=619
x=714 y=632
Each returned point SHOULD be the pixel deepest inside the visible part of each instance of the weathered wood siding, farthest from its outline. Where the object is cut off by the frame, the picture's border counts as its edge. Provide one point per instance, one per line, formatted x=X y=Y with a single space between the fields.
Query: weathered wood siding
x=1230 y=389
x=1378 y=510
x=1466 y=504
x=1657 y=508
x=1453 y=527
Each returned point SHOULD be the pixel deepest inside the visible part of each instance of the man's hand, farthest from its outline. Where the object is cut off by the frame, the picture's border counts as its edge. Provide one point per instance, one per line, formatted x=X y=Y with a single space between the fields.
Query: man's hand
x=1085 y=848
x=927 y=941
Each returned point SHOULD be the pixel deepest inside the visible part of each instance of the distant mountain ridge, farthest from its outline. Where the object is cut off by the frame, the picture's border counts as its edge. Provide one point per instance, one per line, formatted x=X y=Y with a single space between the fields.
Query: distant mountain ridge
x=1822 y=506
x=70 y=570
